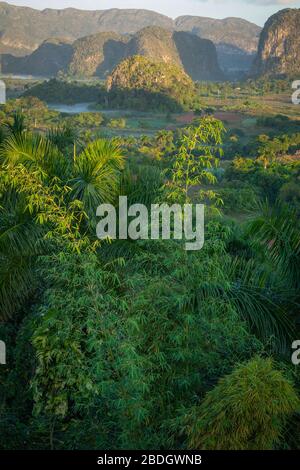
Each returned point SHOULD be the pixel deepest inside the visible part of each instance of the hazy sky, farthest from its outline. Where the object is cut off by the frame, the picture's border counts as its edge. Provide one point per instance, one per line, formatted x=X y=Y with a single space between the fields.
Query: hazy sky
x=254 y=10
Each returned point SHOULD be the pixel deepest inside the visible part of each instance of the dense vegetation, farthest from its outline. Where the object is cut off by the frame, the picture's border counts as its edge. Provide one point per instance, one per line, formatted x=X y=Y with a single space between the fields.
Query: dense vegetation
x=61 y=91
x=141 y=344
x=126 y=89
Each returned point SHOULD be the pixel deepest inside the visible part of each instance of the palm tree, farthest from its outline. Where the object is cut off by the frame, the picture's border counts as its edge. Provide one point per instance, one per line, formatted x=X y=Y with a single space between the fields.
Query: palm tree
x=27 y=205
x=21 y=241
x=277 y=232
x=141 y=184
x=34 y=152
x=64 y=137
x=17 y=127
x=96 y=174
x=36 y=204
x=250 y=289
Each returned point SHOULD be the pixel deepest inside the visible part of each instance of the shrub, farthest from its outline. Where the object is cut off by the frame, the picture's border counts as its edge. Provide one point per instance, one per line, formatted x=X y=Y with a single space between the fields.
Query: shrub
x=290 y=193
x=242 y=198
x=247 y=410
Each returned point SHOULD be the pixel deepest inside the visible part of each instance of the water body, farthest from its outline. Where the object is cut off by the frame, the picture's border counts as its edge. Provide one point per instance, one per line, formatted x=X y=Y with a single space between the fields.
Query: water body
x=73 y=108
x=21 y=77
x=90 y=108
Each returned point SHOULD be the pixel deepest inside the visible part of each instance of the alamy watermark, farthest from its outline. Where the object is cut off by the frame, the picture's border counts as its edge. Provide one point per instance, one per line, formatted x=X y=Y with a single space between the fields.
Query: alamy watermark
x=2 y=353
x=296 y=353
x=2 y=92
x=164 y=222
x=296 y=94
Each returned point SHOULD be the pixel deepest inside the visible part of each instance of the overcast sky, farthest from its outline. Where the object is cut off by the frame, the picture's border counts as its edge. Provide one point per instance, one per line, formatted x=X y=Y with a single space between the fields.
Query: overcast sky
x=253 y=10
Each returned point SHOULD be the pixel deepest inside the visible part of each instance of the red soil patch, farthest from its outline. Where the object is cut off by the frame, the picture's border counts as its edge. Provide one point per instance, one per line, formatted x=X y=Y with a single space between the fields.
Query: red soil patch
x=186 y=118
x=289 y=158
x=228 y=116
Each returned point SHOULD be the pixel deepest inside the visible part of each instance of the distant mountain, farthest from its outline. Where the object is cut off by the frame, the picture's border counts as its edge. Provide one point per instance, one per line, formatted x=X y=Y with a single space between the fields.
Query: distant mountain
x=236 y=39
x=52 y=56
x=22 y=29
x=230 y=31
x=155 y=43
x=196 y=56
x=99 y=54
x=279 y=46
x=96 y=55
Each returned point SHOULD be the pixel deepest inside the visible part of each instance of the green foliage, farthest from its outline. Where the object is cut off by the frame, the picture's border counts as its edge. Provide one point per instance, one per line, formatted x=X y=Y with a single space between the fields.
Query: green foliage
x=29 y=164
x=60 y=91
x=96 y=175
x=36 y=199
x=270 y=149
x=21 y=241
x=33 y=112
x=117 y=123
x=125 y=335
x=63 y=137
x=247 y=410
x=277 y=230
x=265 y=176
x=141 y=184
x=17 y=126
x=195 y=159
x=290 y=194
x=238 y=199
x=85 y=120
x=74 y=325
x=92 y=328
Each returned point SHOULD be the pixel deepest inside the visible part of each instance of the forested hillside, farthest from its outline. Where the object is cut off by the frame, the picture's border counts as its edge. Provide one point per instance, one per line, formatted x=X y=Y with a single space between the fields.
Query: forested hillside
x=140 y=83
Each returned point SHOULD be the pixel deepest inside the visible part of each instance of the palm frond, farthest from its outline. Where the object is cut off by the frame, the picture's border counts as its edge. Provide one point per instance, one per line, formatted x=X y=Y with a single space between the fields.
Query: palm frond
x=63 y=137
x=277 y=232
x=33 y=151
x=96 y=174
x=17 y=127
x=251 y=291
x=142 y=185
x=21 y=241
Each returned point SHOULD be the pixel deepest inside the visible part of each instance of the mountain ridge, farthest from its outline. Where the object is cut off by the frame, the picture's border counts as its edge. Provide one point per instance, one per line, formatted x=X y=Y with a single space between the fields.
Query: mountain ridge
x=22 y=37
x=98 y=54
